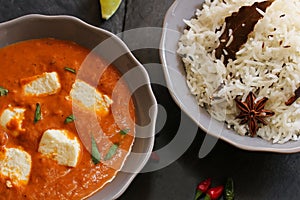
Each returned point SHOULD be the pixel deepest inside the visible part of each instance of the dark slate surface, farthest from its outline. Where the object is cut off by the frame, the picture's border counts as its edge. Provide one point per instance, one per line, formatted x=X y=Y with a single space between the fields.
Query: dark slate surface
x=259 y=176
x=87 y=10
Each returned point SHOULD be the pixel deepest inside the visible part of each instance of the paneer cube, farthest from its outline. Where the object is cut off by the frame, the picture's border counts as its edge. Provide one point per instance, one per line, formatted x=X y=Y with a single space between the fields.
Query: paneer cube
x=90 y=98
x=15 y=164
x=58 y=145
x=12 y=118
x=44 y=84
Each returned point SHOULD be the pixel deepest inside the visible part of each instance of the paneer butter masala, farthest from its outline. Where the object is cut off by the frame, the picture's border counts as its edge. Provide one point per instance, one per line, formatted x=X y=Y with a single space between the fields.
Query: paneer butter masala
x=51 y=144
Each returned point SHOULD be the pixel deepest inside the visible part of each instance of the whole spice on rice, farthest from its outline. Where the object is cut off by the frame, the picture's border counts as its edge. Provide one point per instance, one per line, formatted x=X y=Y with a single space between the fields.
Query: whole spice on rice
x=294 y=97
x=238 y=27
x=253 y=112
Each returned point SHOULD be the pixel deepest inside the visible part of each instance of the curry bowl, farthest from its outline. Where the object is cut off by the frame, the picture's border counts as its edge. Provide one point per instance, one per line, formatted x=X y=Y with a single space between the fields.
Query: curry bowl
x=114 y=52
x=175 y=76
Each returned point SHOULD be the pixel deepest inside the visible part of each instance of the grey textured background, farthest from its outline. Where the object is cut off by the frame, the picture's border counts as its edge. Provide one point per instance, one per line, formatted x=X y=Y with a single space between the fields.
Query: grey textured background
x=259 y=176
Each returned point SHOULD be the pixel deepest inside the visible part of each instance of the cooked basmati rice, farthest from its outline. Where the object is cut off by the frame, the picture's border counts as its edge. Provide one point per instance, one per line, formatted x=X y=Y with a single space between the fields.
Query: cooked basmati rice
x=268 y=64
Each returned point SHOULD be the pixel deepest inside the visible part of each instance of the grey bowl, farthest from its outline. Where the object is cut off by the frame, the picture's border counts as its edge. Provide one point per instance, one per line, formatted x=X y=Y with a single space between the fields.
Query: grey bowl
x=73 y=29
x=176 y=82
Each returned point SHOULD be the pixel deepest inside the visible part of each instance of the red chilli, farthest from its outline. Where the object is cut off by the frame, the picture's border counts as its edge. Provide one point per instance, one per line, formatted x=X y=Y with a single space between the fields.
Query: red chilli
x=214 y=193
x=202 y=188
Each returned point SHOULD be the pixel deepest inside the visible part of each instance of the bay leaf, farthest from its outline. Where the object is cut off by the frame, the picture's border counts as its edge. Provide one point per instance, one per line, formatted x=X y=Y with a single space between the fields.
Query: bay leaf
x=238 y=26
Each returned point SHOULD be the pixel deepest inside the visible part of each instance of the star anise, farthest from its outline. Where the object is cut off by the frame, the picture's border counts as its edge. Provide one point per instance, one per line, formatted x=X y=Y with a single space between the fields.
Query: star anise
x=253 y=112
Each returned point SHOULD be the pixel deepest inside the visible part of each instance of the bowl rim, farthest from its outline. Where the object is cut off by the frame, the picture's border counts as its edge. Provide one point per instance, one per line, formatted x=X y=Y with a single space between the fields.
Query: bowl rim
x=267 y=146
x=152 y=99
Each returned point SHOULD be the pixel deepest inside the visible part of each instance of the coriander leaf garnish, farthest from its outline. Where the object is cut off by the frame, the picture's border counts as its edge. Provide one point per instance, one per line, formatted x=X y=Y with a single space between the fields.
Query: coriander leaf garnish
x=124 y=131
x=111 y=152
x=3 y=91
x=96 y=156
x=37 y=114
x=70 y=70
x=70 y=119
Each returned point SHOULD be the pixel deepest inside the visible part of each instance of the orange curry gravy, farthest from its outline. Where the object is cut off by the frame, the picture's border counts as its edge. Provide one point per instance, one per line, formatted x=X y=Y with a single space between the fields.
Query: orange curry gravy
x=48 y=179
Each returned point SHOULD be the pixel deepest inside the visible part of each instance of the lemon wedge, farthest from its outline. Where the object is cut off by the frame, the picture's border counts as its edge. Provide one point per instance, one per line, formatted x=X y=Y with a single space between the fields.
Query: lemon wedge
x=109 y=7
